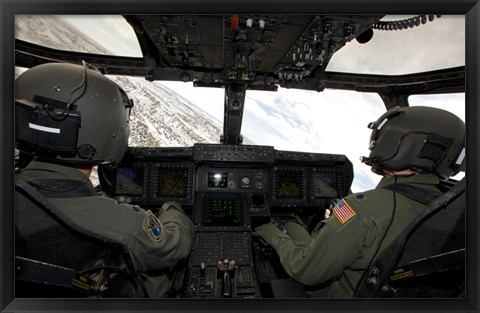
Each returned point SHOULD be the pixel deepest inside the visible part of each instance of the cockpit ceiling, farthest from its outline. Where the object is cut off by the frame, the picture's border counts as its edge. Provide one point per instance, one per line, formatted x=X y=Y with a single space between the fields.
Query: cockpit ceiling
x=260 y=52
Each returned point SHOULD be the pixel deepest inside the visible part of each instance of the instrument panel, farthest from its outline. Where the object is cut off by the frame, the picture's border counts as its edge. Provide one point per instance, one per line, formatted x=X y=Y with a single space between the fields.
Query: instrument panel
x=152 y=176
x=228 y=190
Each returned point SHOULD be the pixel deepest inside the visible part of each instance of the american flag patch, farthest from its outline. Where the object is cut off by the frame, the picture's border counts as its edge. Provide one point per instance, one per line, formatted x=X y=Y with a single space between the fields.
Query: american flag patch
x=343 y=212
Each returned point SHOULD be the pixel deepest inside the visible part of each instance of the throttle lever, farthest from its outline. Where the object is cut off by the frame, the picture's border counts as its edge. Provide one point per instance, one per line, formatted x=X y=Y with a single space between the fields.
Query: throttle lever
x=226 y=267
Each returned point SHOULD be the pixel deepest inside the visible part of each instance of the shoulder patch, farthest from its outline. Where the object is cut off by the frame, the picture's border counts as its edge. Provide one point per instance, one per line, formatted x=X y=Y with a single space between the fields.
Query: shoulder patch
x=136 y=208
x=343 y=212
x=153 y=227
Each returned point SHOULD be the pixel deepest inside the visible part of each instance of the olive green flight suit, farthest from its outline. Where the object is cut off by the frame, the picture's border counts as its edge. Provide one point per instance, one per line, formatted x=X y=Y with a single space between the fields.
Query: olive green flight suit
x=339 y=249
x=154 y=257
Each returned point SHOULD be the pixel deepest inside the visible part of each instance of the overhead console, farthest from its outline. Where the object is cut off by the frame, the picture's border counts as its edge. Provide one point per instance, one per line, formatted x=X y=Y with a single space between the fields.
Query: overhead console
x=228 y=190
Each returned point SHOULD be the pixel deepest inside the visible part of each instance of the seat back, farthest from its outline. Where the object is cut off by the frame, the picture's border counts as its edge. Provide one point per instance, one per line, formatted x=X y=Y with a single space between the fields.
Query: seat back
x=45 y=237
x=428 y=258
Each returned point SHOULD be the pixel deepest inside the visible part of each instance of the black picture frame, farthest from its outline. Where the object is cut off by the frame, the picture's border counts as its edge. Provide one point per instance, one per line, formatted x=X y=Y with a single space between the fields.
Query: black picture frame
x=8 y=10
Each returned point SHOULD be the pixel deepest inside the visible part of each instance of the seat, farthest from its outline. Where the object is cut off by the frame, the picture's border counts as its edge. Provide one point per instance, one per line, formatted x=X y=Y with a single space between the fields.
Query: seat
x=428 y=259
x=56 y=258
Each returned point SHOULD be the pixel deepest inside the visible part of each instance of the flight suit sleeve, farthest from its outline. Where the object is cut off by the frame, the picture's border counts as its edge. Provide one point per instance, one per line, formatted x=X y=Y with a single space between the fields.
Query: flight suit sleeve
x=154 y=243
x=334 y=247
x=297 y=232
x=169 y=241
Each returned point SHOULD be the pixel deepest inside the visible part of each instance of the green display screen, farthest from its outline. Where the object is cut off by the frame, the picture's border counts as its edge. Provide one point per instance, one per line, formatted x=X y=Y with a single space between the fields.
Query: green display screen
x=222 y=212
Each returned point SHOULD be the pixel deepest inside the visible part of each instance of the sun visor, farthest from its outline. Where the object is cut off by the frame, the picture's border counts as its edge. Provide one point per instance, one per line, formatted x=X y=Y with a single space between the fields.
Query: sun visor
x=43 y=131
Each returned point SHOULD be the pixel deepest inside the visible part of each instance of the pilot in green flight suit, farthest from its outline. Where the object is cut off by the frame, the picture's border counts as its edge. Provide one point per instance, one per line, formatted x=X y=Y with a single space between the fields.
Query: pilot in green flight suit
x=155 y=242
x=408 y=145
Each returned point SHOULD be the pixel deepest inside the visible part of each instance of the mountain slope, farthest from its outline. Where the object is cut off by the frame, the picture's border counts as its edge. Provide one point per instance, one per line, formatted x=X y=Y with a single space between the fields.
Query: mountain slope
x=159 y=118
x=53 y=32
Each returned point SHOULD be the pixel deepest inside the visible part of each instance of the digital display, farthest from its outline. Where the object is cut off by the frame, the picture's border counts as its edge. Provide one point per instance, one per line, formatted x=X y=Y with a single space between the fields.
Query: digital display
x=324 y=184
x=217 y=180
x=289 y=184
x=130 y=180
x=222 y=212
x=172 y=182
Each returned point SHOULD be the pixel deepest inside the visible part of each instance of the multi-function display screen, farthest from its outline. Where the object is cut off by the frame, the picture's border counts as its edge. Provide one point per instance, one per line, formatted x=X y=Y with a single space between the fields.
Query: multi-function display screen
x=217 y=180
x=289 y=184
x=172 y=182
x=222 y=212
x=324 y=184
x=130 y=180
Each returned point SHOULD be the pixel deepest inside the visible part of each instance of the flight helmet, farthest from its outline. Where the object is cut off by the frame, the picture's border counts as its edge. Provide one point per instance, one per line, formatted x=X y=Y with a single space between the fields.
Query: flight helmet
x=421 y=139
x=71 y=114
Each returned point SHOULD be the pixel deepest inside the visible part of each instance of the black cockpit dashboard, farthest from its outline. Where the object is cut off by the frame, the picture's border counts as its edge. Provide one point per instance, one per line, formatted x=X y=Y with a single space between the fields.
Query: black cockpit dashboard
x=228 y=190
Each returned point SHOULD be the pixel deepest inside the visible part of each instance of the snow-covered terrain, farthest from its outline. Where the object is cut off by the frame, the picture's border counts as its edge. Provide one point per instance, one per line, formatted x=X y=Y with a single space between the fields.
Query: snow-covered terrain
x=159 y=118
x=52 y=32
x=169 y=114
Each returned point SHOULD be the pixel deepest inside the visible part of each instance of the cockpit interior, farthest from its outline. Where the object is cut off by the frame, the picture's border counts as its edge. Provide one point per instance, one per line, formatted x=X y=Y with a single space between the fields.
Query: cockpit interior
x=230 y=187
x=229 y=190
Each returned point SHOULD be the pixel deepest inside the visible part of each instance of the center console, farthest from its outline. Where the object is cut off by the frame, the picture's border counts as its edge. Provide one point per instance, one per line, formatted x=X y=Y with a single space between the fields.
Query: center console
x=228 y=190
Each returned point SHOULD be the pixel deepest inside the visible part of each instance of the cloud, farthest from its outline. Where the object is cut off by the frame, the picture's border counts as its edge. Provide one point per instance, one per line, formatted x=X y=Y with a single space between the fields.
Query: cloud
x=328 y=122
x=335 y=121
x=254 y=107
x=434 y=45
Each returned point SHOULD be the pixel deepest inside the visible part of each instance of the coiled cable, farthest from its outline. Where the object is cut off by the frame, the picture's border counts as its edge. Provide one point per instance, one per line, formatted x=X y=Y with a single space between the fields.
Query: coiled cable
x=404 y=24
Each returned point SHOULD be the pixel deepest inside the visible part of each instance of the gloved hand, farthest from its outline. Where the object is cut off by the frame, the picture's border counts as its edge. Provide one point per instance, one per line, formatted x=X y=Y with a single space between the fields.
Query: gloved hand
x=282 y=220
x=267 y=231
x=170 y=205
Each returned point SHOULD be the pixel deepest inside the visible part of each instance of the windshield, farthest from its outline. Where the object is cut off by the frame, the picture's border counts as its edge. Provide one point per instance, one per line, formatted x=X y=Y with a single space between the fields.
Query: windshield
x=389 y=52
x=432 y=46
x=99 y=34
x=332 y=121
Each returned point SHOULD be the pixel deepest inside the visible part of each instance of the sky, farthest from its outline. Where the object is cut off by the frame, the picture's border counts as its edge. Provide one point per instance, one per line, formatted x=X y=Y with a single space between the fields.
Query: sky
x=331 y=121
x=112 y=31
